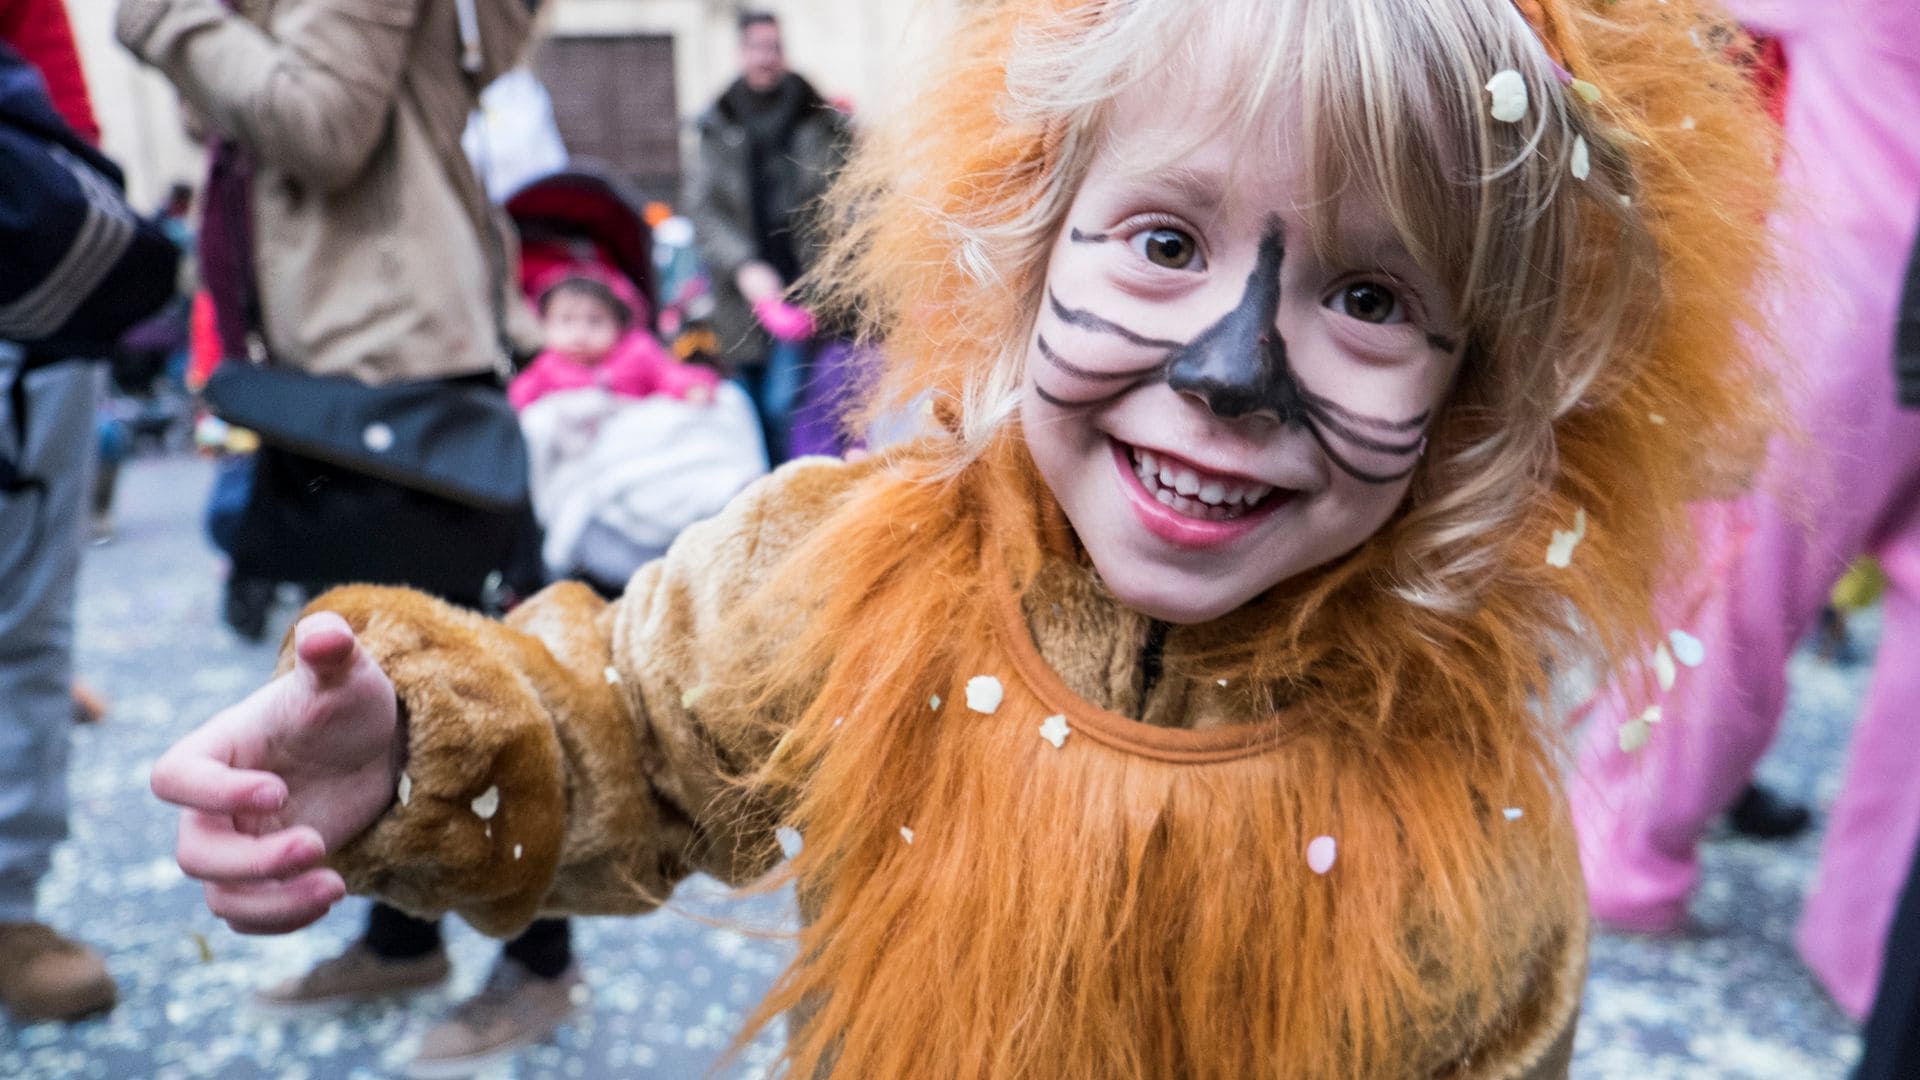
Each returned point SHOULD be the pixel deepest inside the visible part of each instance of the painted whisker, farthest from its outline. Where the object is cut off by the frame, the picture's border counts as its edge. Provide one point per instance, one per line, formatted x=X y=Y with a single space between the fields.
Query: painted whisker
x=1347 y=415
x=1087 y=320
x=1064 y=403
x=1088 y=374
x=1352 y=470
x=1367 y=442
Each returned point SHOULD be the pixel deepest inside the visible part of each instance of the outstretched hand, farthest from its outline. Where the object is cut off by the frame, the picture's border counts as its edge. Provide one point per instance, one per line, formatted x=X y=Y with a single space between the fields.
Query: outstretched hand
x=269 y=786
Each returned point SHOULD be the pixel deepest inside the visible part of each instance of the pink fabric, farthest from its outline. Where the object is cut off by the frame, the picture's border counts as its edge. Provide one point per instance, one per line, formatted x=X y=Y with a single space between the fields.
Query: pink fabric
x=637 y=367
x=1852 y=486
x=787 y=322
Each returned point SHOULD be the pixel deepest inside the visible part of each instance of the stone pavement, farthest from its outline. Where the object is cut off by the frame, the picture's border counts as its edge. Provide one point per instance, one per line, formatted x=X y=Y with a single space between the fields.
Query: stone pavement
x=667 y=992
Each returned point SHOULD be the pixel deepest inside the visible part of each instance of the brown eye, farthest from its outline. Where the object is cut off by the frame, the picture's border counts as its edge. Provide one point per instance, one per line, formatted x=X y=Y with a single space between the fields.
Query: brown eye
x=1170 y=248
x=1368 y=302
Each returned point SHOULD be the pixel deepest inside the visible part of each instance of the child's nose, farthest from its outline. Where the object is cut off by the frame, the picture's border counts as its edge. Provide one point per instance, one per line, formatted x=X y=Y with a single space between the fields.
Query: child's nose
x=1238 y=366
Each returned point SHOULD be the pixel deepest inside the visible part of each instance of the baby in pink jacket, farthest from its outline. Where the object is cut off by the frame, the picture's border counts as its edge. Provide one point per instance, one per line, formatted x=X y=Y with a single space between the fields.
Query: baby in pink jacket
x=594 y=338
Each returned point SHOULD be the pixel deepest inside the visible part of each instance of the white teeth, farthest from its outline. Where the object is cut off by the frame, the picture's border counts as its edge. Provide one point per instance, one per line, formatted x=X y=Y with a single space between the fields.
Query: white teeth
x=1146 y=462
x=1181 y=488
x=1213 y=492
x=1165 y=474
x=1165 y=495
x=1258 y=492
x=1186 y=483
x=1236 y=495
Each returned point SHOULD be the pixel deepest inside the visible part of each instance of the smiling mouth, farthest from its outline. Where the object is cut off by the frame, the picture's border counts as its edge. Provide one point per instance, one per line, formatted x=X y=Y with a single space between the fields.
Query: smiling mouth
x=1196 y=493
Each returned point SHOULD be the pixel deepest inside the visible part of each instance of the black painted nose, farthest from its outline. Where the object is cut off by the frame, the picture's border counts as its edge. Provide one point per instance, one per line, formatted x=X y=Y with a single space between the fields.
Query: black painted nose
x=1238 y=366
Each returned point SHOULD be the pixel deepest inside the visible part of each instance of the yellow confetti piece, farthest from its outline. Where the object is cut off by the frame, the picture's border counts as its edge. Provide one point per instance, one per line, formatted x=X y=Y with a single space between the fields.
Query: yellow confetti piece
x=692 y=695
x=1588 y=92
x=1560 y=549
x=1633 y=735
x=1663 y=669
x=205 y=948
x=487 y=803
x=1657 y=419
x=1055 y=730
x=1508 y=96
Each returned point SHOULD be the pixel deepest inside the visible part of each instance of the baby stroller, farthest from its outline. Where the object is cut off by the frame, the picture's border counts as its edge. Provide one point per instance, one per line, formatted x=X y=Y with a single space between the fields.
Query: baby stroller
x=654 y=465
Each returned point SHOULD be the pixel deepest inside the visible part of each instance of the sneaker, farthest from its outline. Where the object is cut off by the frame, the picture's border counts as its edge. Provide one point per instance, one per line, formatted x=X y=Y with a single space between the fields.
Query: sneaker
x=514 y=1009
x=359 y=974
x=1763 y=814
x=44 y=976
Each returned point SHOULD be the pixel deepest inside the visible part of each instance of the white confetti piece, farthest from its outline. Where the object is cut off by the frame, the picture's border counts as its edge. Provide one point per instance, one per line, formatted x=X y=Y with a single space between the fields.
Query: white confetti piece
x=1653 y=714
x=1626 y=200
x=1657 y=419
x=1560 y=550
x=406 y=789
x=838 y=720
x=1687 y=649
x=1321 y=853
x=518 y=850
x=1055 y=730
x=1688 y=123
x=1513 y=813
x=1509 y=96
x=934 y=702
x=1663 y=670
x=906 y=834
x=1222 y=682
x=984 y=694
x=612 y=675
x=1582 y=162
x=789 y=840
x=487 y=803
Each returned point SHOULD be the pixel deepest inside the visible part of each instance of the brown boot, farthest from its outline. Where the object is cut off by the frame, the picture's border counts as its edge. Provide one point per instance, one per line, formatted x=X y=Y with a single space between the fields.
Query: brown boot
x=44 y=976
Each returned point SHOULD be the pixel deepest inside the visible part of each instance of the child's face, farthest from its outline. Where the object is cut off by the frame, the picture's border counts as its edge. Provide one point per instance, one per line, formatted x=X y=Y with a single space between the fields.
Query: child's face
x=1218 y=406
x=580 y=327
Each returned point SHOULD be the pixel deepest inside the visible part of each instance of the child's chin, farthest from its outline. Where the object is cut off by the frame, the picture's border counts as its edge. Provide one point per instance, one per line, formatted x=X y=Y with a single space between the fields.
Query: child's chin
x=1175 y=598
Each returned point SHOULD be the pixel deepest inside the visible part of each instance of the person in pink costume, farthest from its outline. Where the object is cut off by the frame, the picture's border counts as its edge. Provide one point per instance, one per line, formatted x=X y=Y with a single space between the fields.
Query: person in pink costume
x=594 y=326
x=1847 y=486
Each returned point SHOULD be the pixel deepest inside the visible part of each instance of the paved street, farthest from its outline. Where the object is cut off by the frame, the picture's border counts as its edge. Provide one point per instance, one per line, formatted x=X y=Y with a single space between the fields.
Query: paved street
x=1729 y=1000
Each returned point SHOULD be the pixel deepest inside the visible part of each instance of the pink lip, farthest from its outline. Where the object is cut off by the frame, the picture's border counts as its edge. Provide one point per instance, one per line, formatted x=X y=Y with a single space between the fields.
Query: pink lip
x=1174 y=527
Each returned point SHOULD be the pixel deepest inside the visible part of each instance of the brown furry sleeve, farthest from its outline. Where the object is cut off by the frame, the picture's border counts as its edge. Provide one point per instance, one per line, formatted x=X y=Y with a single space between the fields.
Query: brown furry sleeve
x=562 y=761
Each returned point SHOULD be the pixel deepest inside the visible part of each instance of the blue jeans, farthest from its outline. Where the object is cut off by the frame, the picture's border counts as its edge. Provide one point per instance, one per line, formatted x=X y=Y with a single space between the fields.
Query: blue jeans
x=774 y=387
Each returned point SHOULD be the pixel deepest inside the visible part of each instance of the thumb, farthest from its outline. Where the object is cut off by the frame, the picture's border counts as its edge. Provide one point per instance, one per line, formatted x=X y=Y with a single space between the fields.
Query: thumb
x=324 y=646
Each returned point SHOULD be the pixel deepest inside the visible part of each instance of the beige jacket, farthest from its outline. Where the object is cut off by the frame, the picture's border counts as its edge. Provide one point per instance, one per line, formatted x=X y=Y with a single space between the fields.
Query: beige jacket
x=377 y=253
x=560 y=762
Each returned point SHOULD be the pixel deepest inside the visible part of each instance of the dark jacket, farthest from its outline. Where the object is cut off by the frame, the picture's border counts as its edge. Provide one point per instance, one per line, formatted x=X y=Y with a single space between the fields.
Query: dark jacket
x=720 y=193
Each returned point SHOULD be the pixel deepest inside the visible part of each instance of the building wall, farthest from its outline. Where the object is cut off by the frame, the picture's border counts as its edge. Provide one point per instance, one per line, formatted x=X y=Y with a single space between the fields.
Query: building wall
x=850 y=49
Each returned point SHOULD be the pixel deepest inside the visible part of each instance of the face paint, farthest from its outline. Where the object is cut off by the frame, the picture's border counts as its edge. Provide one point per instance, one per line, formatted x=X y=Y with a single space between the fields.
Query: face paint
x=1238 y=367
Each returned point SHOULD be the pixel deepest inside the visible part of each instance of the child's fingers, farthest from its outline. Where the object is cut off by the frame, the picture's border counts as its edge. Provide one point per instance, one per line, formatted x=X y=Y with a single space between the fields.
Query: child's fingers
x=324 y=645
x=211 y=849
x=276 y=907
x=195 y=774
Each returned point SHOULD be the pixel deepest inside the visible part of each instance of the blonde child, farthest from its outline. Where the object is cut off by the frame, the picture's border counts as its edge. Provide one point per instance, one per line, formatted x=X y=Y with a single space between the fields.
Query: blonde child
x=1310 y=372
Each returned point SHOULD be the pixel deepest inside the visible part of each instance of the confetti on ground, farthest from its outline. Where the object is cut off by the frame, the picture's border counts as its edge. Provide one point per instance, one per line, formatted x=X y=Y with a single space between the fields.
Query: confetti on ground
x=906 y=834
x=406 y=789
x=1320 y=854
x=984 y=694
x=1582 y=162
x=487 y=803
x=1055 y=730
x=1687 y=648
x=1663 y=670
x=1513 y=813
x=1560 y=550
x=1509 y=96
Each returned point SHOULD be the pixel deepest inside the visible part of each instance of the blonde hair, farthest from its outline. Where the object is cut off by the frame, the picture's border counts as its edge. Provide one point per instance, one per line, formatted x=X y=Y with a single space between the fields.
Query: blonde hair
x=1564 y=285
